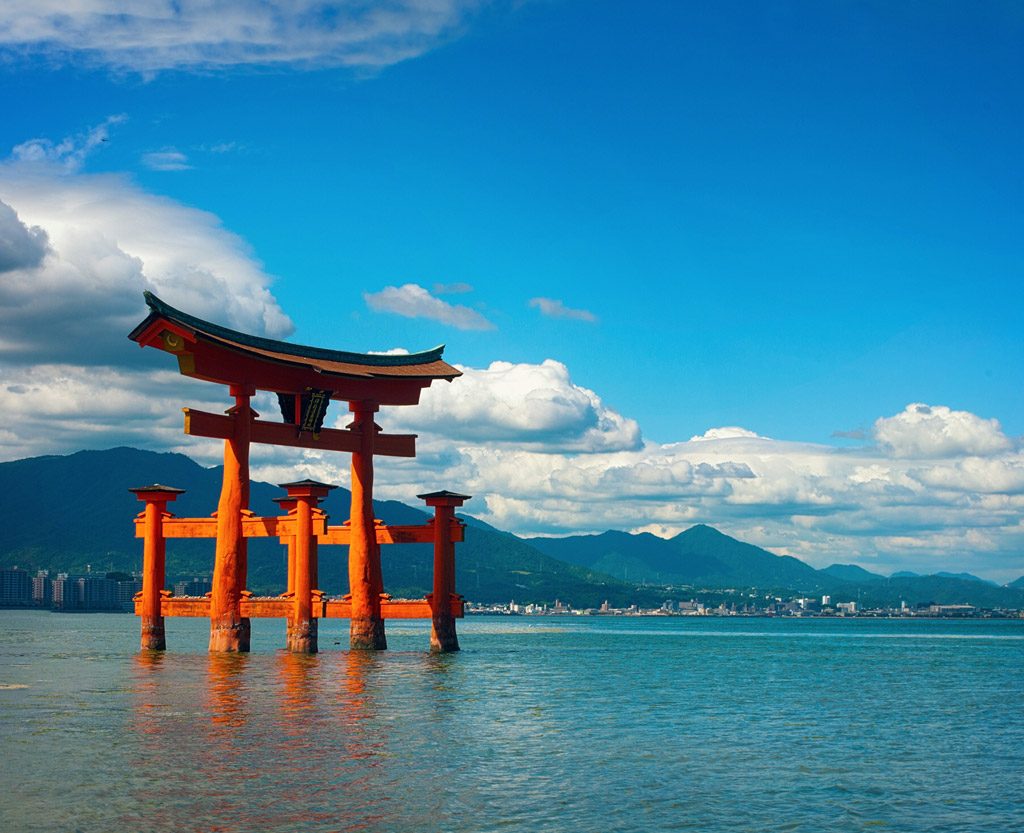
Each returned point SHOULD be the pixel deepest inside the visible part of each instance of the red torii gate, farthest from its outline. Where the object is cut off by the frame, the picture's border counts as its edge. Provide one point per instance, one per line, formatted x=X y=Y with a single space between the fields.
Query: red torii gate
x=305 y=380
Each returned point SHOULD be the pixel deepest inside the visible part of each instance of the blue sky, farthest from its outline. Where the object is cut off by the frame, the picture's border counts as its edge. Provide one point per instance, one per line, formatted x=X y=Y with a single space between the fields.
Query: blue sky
x=796 y=219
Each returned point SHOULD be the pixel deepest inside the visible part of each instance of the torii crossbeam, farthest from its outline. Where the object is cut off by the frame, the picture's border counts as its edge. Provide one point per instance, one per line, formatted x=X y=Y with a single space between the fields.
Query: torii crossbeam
x=305 y=380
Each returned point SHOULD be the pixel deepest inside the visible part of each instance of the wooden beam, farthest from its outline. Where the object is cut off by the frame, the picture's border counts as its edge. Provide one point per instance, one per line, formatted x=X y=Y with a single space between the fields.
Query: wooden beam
x=219 y=426
x=279 y=526
x=253 y=526
x=185 y=528
x=423 y=534
x=279 y=607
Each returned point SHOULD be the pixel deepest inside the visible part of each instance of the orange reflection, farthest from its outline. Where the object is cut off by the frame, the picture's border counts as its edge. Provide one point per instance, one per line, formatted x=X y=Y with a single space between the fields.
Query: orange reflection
x=149 y=659
x=298 y=674
x=147 y=687
x=357 y=665
x=226 y=689
x=356 y=710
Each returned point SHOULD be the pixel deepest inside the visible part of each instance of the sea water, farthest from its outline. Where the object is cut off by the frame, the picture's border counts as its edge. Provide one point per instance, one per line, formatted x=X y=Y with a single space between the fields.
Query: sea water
x=538 y=724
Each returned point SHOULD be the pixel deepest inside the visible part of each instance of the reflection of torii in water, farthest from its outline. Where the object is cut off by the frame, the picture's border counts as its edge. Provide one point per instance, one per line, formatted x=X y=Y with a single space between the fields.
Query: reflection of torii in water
x=305 y=379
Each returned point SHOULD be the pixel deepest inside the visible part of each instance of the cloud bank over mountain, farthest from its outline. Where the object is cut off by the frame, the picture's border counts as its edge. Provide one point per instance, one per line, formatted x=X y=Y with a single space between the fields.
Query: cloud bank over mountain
x=872 y=505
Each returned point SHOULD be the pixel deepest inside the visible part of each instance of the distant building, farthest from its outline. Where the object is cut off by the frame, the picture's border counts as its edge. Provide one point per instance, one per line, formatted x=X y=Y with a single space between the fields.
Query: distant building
x=42 y=589
x=88 y=592
x=950 y=610
x=846 y=607
x=64 y=592
x=126 y=591
x=97 y=593
x=193 y=587
x=15 y=587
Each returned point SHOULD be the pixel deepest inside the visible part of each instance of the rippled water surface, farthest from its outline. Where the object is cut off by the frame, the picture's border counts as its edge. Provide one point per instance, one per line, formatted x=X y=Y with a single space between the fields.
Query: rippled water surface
x=539 y=724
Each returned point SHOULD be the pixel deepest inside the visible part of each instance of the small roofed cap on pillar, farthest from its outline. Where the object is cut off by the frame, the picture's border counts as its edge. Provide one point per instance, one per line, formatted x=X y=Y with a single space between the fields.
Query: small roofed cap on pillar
x=156 y=487
x=444 y=497
x=313 y=487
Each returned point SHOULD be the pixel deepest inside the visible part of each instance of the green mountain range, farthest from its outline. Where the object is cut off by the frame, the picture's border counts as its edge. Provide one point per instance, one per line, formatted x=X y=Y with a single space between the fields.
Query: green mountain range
x=851 y=572
x=74 y=512
x=701 y=556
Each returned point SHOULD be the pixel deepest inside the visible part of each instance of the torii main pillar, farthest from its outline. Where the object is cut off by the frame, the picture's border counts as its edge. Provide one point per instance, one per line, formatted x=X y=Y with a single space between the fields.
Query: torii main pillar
x=365 y=577
x=228 y=630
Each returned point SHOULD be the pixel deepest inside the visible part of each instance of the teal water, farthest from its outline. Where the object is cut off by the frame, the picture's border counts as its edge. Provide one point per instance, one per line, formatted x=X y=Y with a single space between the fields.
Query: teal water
x=539 y=724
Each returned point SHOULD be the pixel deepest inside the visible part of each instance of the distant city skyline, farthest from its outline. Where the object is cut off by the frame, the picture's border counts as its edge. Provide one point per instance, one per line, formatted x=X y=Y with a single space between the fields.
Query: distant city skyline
x=754 y=266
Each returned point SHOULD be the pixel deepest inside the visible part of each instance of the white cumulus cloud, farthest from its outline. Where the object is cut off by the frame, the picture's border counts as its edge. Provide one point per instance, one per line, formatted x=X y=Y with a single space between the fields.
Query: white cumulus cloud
x=79 y=249
x=76 y=252
x=938 y=431
x=21 y=247
x=976 y=475
x=535 y=406
x=728 y=432
x=413 y=301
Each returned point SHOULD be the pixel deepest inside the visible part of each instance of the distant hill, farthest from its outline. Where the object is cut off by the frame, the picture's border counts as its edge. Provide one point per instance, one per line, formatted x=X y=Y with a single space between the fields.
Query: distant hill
x=700 y=556
x=851 y=572
x=939 y=590
x=703 y=557
x=89 y=512
x=720 y=560
x=1019 y=582
x=965 y=577
x=641 y=558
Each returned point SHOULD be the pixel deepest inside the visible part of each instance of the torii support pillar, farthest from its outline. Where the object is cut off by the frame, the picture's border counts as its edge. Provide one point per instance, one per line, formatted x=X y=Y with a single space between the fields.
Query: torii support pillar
x=156 y=498
x=443 y=638
x=228 y=630
x=365 y=579
x=302 y=625
x=288 y=505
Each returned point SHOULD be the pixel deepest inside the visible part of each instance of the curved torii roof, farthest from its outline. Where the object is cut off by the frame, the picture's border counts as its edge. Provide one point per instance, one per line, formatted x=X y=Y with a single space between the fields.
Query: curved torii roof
x=218 y=354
